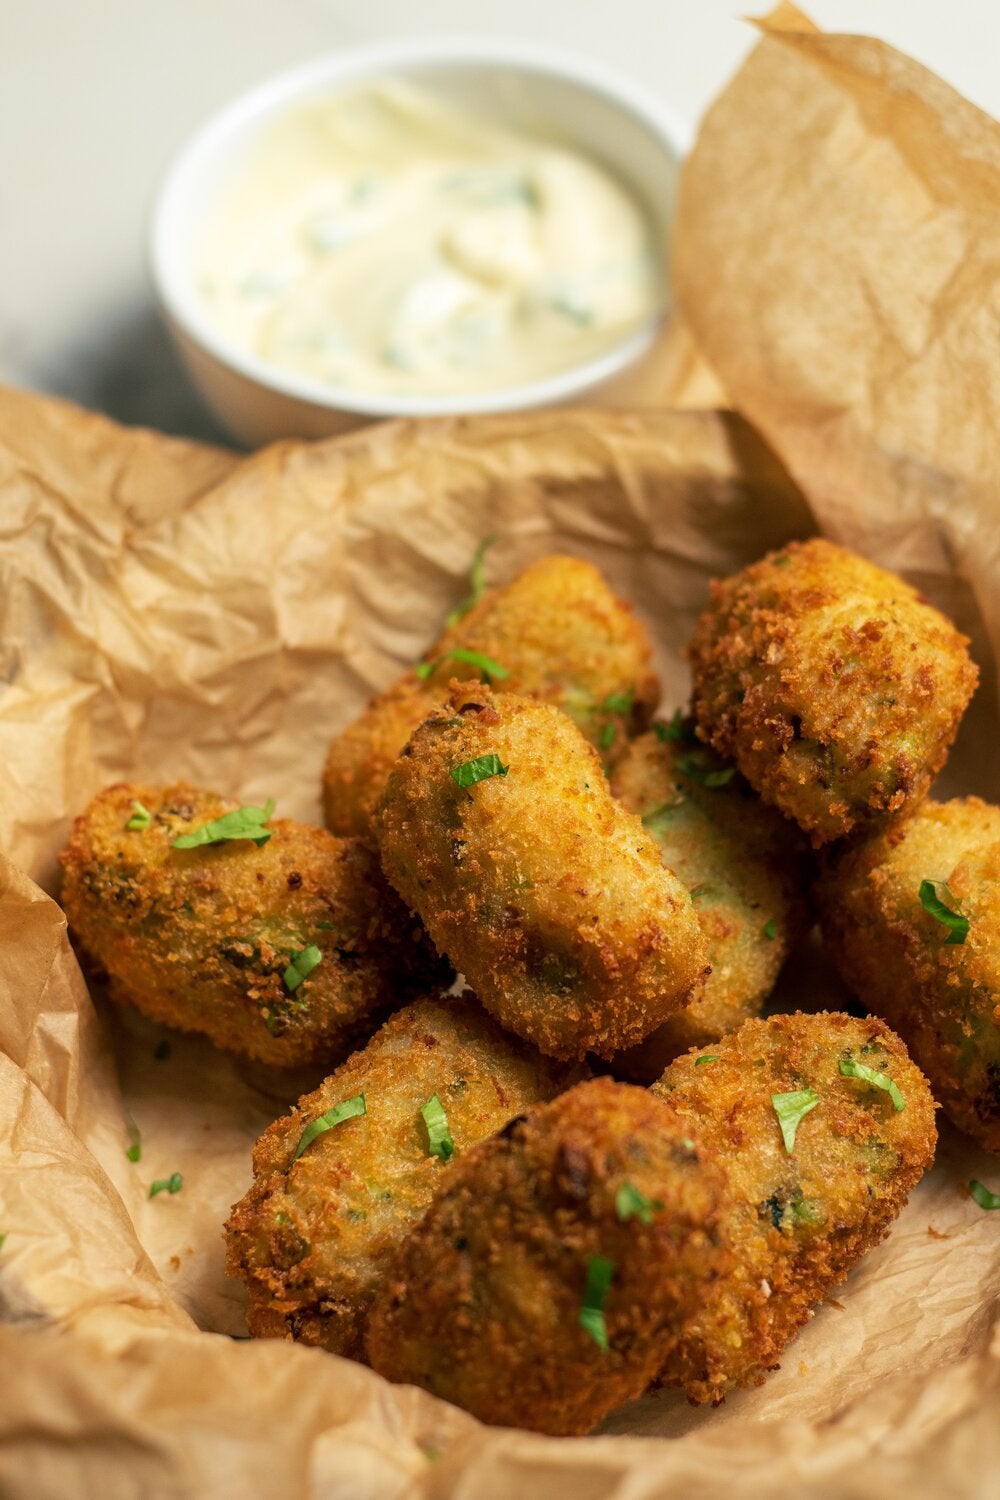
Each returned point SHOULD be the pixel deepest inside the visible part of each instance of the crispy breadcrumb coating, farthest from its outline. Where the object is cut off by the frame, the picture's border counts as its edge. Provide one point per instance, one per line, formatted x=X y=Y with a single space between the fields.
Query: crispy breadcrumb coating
x=558 y=632
x=482 y=1305
x=943 y=997
x=312 y=1237
x=540 y=888
x=202 y=938
x=796 y=1221
x=743 y=864
x=833 y=685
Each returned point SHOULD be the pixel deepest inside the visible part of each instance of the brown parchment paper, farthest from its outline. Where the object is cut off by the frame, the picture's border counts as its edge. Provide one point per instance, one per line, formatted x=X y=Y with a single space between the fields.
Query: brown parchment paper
x=226 y=643
x=166 y=611
x=837 y=262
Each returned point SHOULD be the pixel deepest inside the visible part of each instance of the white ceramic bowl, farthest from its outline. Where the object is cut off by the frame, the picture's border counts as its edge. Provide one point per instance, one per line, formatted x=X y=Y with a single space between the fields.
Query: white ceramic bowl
x=517 y=84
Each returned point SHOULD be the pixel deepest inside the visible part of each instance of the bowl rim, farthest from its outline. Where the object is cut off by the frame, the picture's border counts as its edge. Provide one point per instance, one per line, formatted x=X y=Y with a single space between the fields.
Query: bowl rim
x=178 y=300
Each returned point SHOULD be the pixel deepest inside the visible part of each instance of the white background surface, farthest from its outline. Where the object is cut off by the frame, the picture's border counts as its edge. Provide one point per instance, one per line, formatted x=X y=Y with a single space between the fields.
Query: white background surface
x=96 y=95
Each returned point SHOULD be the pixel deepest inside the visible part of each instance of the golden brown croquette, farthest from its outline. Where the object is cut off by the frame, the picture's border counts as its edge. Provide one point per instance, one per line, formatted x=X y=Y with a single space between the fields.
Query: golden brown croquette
x=803 y=1210
x=206 y=938
x=833 y=685
x=556 y=632
x=312 y=1237
x=743 y=864
x=497 y=825
x=552 y=1273
x=906 y=964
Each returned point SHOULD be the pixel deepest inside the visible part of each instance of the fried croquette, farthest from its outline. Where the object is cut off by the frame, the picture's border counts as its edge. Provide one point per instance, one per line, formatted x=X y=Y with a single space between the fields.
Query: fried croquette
x=314 y=1234
x=557 y=1264
x=833 y=685
x=284 y=952
x=742 y=863
x=556 y=632
x=935 y=978
x=802 y=1209
x=497 y=825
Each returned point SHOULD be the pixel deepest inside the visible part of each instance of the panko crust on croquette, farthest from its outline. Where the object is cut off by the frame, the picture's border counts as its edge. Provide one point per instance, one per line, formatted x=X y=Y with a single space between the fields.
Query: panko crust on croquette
x=201 y=938
x=796 y=1222
x=312 y=1238
x=482 y=1305
x=542 y=890
x=559 y=634
x=942 y=997
x=833 y=685
x=744 y=866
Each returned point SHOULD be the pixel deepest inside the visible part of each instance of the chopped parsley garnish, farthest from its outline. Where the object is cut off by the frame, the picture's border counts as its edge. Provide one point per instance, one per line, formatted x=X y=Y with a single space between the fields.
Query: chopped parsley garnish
x=619 y=703
x=631 y=1204
x=608 y=736
x=439 y=1141
x=171 y=1184
x=486 y=664
x=688 y=766
x=243 y=823
x=301 y=966
x=650 y=819
x=480 y=769
x=851 y=1069
x=3 y=1237
x=769 y=930
x=678 y=729
x=957 y=925
x=791 y=1110
x=979 y=1193
x=708 y=1058
x=140 y=819
x=477 y=582
x=600 y=1271
x=134 y=1148
x=335 y=1116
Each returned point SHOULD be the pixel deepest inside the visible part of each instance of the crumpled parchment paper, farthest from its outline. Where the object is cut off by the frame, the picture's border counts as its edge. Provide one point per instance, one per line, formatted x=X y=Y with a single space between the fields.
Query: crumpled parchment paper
x=837 y=262
x=168 y=611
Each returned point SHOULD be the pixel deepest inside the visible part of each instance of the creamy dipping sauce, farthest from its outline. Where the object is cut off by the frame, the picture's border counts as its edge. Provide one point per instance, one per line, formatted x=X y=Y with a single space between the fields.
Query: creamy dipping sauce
x=385 y=241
